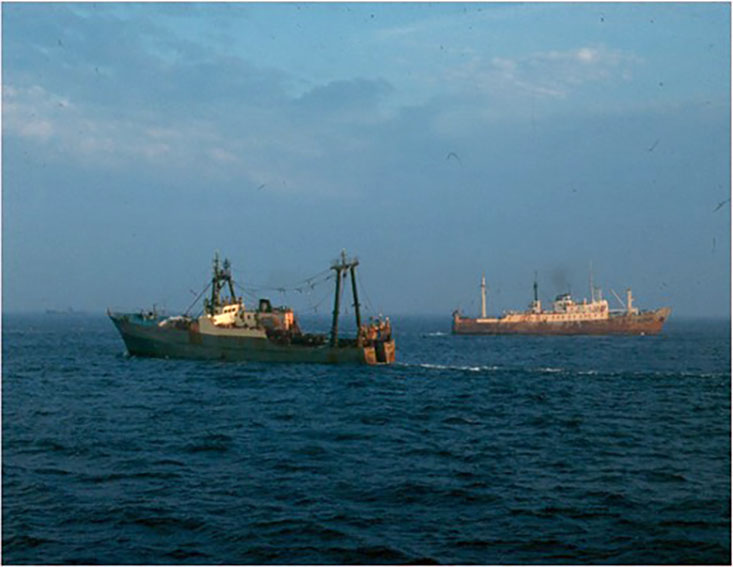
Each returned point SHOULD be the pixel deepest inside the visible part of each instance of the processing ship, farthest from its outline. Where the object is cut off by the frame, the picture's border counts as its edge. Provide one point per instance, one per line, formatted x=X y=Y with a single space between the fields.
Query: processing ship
x=567 y=317
x=228 y=330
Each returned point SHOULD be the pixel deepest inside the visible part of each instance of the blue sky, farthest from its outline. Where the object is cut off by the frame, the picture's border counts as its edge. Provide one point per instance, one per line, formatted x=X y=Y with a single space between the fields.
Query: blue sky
x=435 y=141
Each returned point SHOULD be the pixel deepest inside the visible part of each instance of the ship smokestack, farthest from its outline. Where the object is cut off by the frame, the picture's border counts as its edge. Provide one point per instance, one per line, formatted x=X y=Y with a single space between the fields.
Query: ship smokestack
x=536 y=305
x=483 y=296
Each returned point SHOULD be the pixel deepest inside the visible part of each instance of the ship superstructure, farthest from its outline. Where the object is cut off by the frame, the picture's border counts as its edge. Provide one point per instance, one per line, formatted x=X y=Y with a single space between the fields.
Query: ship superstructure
x=566 y=317
x=227 y=330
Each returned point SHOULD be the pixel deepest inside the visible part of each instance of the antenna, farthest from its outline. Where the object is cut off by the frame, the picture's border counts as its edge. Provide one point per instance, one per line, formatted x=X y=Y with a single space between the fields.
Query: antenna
x=592 y=290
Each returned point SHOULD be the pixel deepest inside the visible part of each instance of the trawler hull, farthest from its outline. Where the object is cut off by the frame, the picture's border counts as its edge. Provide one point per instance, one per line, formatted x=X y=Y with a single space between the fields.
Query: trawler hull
x=145 y=337
x=646 y=323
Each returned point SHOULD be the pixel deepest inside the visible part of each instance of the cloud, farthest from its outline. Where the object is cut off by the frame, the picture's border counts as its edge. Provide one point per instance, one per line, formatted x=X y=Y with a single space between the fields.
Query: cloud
x=361 y=94
x=587 y=54
x=95 y=136
x=114 y=91
x=40 y=129
x=222 y=132
x=223 y=156
x=27 y=112
x=108 y=91
x=554 y=74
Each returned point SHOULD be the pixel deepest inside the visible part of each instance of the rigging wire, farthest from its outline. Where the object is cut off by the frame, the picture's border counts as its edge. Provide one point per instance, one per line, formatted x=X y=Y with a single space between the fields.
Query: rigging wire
x=251 y=292
x=298 y=285
x=250 y=295
x=369 y=305
x=307 y=285
x=320 y=301
x=197 y=298
x=282 y=289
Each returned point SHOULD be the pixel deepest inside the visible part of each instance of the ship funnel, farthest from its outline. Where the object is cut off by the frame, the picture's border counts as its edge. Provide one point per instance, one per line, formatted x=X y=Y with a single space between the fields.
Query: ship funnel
x=536 y=305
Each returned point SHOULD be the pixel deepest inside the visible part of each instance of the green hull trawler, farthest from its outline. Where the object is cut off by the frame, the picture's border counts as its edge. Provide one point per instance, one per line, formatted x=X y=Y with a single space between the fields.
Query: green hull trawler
x=226 y=330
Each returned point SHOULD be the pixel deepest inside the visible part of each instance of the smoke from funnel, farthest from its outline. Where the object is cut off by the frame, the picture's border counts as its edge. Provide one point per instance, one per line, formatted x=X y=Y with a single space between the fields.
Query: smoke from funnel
x=560 y=278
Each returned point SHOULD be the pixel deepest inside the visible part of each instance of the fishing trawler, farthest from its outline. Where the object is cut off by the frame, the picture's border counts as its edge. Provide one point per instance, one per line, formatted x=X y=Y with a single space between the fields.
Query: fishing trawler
x=227 y=330
x=567 y=317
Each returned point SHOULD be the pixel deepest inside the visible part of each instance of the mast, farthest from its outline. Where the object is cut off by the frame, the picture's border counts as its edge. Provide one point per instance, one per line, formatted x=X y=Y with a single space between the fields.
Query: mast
x=221 y=276
x=352 y=270
x=340 y=269
x=336 y=307
x=483 y=296
x=227 y=274
x=214 y=285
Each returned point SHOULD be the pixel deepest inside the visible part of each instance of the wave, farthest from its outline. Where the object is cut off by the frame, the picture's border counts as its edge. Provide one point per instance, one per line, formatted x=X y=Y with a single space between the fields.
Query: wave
x=570 y=372
x=464 y=368
x=494 y=368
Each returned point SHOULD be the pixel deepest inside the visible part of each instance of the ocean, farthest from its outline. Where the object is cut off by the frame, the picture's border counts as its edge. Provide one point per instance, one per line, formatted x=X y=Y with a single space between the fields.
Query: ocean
x=469 y=450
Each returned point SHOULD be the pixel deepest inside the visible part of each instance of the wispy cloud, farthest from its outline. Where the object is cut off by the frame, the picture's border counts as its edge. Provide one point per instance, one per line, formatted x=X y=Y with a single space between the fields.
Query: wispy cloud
x=66 y=130
x=552 y=73
x=276 y=139
x=120 y=92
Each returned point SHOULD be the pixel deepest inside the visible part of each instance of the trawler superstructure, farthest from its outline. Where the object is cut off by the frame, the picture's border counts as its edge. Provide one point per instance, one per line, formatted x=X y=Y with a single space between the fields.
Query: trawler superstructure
x=567 y=317
x=227 y=330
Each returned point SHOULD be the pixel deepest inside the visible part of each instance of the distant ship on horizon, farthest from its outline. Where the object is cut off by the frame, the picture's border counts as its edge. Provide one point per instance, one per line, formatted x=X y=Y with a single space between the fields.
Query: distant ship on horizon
x=567 y=317
x=67 y=311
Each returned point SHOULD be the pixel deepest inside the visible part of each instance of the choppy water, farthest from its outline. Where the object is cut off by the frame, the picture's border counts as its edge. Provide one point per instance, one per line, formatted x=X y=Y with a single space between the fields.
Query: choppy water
x=470 y=450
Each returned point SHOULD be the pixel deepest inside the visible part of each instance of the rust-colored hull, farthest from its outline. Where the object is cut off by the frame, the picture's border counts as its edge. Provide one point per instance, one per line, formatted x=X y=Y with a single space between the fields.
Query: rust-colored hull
x=646 y=323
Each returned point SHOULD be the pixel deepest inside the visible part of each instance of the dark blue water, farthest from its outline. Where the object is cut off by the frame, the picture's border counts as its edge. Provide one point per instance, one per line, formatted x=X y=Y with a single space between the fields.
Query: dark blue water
x=469 y=450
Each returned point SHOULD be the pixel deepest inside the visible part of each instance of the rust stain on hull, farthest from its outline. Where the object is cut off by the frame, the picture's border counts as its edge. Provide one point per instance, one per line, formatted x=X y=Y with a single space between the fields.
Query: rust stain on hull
x=566 y=317
x=645 y=323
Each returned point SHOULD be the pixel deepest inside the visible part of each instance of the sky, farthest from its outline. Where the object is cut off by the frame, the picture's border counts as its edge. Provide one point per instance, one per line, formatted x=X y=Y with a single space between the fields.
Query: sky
x=436 y=142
